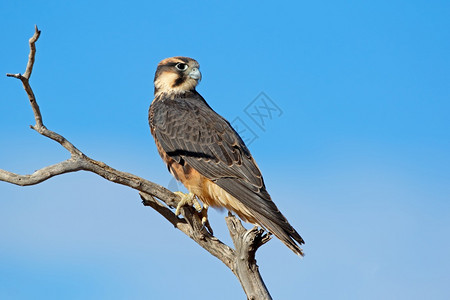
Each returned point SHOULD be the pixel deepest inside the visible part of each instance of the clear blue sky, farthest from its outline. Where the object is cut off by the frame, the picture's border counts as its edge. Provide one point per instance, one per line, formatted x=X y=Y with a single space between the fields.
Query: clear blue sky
x=358 y=160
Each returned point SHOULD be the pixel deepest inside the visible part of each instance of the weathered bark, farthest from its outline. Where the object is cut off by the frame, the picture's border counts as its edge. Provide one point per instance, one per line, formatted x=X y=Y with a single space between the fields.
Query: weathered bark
x=241 y=260
x=245 y=268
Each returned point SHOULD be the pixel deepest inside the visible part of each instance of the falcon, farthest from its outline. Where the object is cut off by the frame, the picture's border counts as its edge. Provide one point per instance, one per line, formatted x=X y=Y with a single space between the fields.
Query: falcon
x=203 y=151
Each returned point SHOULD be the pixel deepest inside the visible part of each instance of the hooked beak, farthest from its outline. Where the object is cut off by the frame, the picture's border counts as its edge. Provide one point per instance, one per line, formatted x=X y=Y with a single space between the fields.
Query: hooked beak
x=195 y=74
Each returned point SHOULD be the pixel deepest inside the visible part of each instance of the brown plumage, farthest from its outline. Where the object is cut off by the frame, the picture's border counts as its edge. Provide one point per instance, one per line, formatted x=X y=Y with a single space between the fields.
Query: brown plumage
x=206 y=154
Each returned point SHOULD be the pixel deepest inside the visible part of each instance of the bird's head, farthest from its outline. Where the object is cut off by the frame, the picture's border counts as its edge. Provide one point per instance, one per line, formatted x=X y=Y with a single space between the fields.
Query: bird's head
x=177 y=75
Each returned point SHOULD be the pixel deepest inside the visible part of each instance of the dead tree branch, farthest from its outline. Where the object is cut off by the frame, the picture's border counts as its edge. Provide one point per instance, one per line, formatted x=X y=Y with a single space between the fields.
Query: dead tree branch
x=241 y=260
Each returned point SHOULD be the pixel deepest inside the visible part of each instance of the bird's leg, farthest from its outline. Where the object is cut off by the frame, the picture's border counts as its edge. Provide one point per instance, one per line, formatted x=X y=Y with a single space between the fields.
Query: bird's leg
x=187 y=199
x=204 y=216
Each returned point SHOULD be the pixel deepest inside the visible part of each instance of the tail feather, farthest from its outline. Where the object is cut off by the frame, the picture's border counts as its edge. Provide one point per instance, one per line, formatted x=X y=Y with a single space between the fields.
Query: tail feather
x=283 y=231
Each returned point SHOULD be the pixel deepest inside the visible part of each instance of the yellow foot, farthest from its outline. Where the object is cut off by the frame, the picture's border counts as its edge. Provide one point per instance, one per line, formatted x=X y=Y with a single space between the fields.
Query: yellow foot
x=205 y=221
x=191 y=200
x=204 y=215
x=187 y=199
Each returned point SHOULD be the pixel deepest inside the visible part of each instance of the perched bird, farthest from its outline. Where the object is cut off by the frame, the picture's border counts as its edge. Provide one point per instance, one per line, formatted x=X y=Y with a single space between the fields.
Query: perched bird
x=207 y=155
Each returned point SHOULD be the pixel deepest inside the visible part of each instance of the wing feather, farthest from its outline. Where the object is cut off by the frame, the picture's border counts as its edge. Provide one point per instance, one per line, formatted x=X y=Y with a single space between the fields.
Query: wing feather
x=187 y=128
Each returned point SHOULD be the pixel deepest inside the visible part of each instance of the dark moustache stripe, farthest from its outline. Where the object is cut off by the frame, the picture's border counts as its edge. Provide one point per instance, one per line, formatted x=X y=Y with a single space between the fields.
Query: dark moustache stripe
x=180 y=80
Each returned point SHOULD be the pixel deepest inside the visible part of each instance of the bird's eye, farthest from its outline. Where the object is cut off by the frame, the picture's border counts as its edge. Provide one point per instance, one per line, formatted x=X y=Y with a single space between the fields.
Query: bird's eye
x=181 y=66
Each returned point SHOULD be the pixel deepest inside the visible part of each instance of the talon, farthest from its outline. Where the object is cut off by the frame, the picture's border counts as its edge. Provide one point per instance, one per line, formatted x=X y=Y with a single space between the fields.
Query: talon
x=187 y=199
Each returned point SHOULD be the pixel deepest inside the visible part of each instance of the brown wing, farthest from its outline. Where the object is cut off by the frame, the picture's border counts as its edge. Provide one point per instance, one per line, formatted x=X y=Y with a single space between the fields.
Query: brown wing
x=191 y=133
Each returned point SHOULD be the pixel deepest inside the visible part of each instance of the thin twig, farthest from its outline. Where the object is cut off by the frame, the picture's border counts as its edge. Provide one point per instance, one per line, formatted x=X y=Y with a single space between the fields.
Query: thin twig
x=26 y=77
x=32 y=54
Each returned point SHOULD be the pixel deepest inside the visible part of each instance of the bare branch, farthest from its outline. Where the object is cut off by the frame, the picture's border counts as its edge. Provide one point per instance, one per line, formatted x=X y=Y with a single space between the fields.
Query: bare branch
x=32 y=54
x=67 y=166
x=192 y=226
x=246 y=270
x=240 y=261
x=26 y=77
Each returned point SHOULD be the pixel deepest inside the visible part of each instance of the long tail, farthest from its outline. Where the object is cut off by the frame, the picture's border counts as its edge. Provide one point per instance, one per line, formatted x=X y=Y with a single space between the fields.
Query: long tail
x=279 y=226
